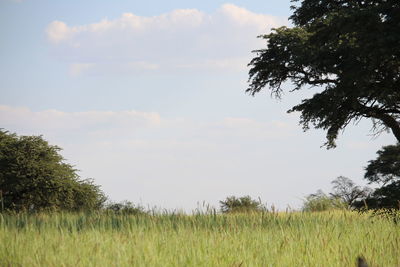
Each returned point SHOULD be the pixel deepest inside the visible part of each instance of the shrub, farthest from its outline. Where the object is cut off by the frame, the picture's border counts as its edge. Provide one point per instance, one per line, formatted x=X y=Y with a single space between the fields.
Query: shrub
x=321 y=202
x=241 y=204
x=125 y=207
x=35 y=177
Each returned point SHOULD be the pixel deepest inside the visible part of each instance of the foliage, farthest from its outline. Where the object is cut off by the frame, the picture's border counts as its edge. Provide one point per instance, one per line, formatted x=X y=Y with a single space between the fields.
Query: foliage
x=385 y=171
x=322 y=202
x=125 y=207
x=350 y=51
x=387 y=196
x=241 y=204
x=334 y=239
x=346 y=190
x=386 y=167
x=34 y=176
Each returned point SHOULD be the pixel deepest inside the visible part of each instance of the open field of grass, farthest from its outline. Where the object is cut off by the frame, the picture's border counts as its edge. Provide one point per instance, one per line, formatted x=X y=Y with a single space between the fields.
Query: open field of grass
x=262 y=239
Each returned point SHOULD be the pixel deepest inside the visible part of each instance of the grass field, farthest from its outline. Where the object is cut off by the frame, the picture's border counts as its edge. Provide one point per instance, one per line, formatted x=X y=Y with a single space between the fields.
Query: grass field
x=262 y=239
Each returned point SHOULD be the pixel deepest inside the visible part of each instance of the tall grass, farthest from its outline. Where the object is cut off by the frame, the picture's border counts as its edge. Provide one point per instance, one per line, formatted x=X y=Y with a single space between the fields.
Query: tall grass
x=333 y=238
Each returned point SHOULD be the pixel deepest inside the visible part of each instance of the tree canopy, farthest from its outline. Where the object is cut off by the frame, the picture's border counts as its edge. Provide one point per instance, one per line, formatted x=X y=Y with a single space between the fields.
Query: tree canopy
x=386 y=167
x=34 y=176
x=349 y=51
x=385 y=171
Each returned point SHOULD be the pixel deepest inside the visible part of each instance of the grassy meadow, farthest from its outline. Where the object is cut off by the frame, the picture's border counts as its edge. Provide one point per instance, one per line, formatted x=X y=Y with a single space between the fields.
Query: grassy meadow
x=332 y=238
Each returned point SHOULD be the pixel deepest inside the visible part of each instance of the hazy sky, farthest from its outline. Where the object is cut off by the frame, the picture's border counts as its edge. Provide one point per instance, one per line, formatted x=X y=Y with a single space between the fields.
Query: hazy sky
x=148 y=98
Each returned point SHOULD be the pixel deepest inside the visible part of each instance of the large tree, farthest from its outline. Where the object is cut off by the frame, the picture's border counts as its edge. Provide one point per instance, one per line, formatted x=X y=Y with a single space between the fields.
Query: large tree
x=349 y=50
x=34 y=176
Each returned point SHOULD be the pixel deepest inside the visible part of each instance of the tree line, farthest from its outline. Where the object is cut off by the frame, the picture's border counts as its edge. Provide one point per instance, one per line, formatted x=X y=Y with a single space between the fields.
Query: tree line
x=35 y=177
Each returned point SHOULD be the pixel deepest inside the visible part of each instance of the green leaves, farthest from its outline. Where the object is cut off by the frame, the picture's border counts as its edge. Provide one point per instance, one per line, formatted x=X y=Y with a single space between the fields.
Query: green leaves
x=386 y=167
x=241 y=204
x=350 y=50
x=34 y=176
x=384 y=171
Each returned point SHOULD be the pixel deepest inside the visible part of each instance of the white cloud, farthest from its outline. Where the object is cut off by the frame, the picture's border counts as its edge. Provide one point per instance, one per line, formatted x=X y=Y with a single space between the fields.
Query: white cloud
x=125 y=126
x=59 y=123
x=245 y=17
x=183 y=38
x=77 y=69
x=58 y=31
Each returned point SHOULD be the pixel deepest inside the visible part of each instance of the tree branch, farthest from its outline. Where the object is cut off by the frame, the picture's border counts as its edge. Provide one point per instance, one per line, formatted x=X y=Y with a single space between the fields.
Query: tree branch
x=380 y=114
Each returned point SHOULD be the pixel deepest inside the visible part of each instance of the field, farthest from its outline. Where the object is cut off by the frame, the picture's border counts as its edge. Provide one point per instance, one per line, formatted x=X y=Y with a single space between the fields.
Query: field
x=334 y=238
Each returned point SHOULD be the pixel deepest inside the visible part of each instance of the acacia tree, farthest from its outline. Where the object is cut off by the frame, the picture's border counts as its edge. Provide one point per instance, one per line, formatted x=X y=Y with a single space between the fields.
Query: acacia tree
x=34 y=176
x=349 y=50
x=346 y=190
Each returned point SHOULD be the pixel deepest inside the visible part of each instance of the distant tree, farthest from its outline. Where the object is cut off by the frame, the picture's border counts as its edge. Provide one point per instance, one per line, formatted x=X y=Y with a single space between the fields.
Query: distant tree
x=242 y=204
x=323 y=202
x=346 y=190
x=349 y=51
x=385 y=171
x=34 y=176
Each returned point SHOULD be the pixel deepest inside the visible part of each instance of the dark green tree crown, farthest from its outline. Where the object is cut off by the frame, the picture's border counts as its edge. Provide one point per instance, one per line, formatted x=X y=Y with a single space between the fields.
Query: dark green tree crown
x=349 y=50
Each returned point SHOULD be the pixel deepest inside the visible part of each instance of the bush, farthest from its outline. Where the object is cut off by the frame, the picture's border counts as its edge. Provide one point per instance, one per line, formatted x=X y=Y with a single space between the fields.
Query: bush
x=321 y=202
x=241 y=204
x=34 y=177
x=125 y=207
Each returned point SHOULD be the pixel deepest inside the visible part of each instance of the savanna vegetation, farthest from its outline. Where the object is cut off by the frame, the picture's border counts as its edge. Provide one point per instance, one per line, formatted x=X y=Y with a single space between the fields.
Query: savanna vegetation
x=334 y=238
x=349 y=51
x=57 y=229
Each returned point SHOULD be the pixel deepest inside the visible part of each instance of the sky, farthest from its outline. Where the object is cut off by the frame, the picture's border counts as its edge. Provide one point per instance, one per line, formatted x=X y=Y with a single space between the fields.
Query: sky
x=148 y=99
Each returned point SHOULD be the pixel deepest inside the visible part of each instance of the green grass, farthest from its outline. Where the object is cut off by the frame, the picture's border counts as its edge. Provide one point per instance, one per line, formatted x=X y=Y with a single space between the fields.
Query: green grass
x=264 y=239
